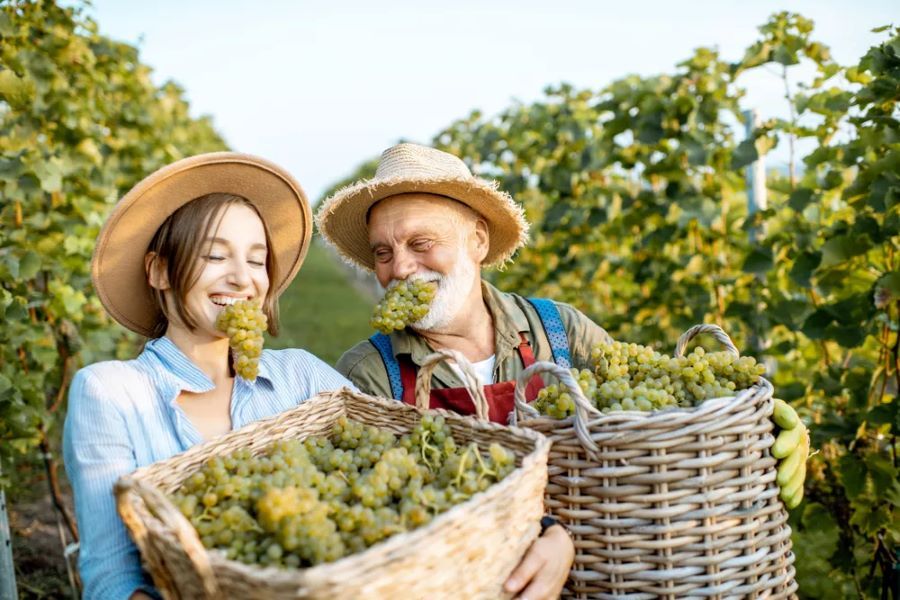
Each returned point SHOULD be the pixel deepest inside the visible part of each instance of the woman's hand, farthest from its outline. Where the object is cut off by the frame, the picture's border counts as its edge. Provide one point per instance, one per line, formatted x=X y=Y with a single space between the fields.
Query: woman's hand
x=139 y=595
x=545 y=567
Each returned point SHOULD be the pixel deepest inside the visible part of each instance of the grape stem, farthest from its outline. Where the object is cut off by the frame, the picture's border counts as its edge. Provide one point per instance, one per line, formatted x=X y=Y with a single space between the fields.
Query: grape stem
x=462 y=466
x=428 y=448
x=485 y=470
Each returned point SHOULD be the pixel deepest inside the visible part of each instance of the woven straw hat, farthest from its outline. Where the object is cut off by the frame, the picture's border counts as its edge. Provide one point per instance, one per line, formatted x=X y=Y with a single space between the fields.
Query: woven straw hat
x=117 y=268
x=406 y=168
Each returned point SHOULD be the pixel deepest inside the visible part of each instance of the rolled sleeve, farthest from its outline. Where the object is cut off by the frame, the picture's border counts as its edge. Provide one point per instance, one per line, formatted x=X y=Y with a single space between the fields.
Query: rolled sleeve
x=97 y=451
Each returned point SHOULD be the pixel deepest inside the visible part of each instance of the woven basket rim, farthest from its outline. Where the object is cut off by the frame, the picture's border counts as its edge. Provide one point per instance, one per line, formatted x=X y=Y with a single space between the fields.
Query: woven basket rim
x=391 y=405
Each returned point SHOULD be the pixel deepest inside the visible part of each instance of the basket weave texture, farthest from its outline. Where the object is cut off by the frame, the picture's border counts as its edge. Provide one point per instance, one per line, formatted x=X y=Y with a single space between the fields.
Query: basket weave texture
x=679 y=503
x=467 y=552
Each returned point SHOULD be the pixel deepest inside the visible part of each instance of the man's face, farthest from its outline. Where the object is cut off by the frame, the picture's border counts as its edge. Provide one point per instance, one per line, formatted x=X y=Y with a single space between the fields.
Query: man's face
x=429 y=236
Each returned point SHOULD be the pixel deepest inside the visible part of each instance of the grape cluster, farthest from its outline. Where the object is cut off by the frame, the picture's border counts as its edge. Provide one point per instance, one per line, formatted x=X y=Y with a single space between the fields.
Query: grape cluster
x=244 y=323
x=555 y=400
x=302 y=503
x=635 y=377
x=404 y=303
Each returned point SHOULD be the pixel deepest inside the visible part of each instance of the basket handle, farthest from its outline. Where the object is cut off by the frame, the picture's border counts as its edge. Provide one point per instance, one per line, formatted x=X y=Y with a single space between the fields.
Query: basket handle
x=696 y=330
x=128 y=488
x=583 y=408
x=472 y=385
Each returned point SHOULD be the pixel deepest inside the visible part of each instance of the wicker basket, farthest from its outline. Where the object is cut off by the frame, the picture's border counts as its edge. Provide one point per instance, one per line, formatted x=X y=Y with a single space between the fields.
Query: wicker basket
x=467 y=552
x=676 y=503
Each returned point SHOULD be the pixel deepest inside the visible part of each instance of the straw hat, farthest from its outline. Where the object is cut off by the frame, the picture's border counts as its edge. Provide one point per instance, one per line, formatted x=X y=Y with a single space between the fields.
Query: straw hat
x=405 y=168
x=117 y=268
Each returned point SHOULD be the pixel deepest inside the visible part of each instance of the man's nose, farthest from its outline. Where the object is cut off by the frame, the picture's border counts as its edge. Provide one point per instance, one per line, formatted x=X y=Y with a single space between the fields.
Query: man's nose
x=403 y=265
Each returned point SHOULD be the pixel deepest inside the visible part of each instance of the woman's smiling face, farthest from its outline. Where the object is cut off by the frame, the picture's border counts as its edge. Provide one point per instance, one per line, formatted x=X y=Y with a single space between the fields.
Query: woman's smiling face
x=232 y=266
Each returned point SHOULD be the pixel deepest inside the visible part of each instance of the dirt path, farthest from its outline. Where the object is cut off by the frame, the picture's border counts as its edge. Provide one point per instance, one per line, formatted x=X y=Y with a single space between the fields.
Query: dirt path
x=37 y=550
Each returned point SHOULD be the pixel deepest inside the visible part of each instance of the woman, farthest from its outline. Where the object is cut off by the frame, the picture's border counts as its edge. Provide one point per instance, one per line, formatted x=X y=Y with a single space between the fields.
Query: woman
x=188 y=240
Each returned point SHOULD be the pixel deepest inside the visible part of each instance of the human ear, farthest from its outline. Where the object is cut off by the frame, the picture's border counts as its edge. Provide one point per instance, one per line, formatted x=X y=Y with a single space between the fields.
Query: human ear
x=155 y=268
x=480 y=240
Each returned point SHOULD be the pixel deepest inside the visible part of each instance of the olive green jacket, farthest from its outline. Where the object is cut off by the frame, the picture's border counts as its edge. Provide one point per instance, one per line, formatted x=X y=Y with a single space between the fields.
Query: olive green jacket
x=512 y=314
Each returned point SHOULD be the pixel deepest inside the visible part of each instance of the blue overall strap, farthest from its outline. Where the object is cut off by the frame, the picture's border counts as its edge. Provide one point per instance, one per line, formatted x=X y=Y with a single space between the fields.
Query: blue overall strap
x=553 y=327
x=382 y=343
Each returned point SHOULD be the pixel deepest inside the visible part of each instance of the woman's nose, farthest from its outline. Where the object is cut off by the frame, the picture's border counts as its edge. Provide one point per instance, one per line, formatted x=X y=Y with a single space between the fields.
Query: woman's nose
x=240 y=274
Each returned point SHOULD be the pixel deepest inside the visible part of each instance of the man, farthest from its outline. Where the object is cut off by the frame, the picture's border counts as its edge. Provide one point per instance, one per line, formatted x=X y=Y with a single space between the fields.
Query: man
x=425 y=215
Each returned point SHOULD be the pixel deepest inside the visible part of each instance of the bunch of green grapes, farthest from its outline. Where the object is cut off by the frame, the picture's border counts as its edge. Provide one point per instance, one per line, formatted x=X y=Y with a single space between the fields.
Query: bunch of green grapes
x=244 y=323
x=302 y=503
x=404 y=303
x=555 y=400
x=635 y=377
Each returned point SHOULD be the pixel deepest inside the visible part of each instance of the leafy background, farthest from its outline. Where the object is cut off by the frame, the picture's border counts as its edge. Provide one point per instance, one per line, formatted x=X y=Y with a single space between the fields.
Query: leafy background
x=637 y=193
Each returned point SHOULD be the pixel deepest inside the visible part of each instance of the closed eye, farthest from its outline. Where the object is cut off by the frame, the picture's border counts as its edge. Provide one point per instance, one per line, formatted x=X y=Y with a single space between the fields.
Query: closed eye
x=382 y=255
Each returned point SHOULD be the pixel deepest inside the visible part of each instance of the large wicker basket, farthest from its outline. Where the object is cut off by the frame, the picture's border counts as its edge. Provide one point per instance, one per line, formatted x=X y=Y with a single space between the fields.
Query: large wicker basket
x=680 y=503
x=467 y=552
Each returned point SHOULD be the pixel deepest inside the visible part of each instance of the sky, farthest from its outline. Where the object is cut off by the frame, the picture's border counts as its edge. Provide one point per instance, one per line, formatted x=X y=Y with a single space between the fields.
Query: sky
x=321 y=86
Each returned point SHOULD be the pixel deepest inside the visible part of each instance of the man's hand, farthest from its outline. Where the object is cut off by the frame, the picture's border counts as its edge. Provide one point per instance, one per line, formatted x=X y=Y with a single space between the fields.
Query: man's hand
x=791 y=448
x=545 y=567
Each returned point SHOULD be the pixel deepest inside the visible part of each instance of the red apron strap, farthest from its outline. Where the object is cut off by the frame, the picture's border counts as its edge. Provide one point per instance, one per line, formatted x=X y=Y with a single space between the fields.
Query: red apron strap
x=408 y=372
x=535 y=384
x=525 y=352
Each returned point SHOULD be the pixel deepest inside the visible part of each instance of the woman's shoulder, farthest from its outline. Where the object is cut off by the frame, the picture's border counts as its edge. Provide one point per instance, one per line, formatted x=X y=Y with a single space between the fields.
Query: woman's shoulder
x=292 y=358
x=106 y=368
x=109 y=380
x=303 y=368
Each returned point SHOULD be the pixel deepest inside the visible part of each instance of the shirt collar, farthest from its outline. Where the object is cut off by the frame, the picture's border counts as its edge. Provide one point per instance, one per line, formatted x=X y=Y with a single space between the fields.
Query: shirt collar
x=182 y=371
x=263 y=370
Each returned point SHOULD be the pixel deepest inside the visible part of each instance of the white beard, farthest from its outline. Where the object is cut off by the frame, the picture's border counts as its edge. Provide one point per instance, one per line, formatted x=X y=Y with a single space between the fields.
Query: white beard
x=452 y=294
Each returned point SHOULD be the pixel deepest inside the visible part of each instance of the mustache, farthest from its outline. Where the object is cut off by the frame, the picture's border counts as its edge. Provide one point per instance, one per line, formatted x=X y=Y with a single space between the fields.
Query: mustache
x=426 y=277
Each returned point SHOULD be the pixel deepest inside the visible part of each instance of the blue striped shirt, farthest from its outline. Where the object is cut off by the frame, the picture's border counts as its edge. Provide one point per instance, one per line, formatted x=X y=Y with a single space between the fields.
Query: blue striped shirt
x=122 y=415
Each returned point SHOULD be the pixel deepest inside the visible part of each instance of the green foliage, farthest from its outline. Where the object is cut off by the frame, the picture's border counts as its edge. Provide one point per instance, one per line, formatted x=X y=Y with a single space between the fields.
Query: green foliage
x=80 y=123
x=638 y=199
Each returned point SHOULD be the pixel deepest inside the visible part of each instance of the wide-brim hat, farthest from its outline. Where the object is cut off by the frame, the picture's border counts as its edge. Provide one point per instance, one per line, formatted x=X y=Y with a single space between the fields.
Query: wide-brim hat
x=117 y=268
x=407 y=168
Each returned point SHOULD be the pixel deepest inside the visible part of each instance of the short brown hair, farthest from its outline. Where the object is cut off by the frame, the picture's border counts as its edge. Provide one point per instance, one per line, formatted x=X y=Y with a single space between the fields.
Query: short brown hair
x=178 y=244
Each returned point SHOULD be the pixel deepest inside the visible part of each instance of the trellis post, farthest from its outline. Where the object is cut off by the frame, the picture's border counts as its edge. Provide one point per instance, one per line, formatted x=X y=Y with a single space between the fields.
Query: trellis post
x=7 y=567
